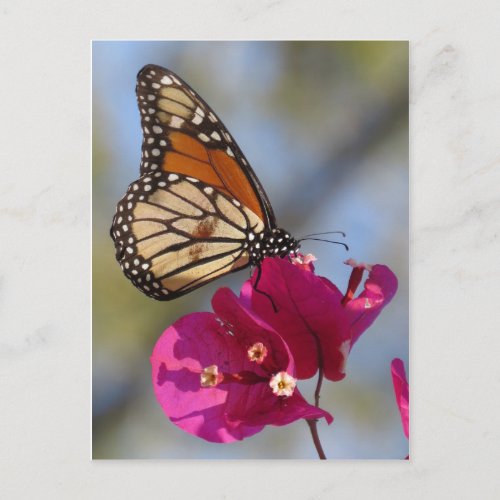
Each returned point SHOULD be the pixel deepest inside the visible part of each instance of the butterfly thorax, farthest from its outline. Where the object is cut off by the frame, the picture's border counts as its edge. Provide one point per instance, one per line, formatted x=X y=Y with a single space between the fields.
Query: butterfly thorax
x=274 y=242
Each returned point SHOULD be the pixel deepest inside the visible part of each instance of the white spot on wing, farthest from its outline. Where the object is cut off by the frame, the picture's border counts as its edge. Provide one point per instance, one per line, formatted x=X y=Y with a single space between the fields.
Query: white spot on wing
x=176 y=122
x=197 y=119
x=166 y=80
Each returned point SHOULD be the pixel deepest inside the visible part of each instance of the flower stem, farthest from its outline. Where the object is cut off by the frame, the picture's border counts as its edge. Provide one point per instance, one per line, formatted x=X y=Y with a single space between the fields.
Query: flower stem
x=318 y=386
x=313 y=422
x=314 y=432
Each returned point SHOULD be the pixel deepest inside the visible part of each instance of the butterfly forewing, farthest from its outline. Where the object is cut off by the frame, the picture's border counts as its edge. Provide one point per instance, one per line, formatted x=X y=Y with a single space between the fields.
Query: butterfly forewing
x=183 y=135
x=175 y=233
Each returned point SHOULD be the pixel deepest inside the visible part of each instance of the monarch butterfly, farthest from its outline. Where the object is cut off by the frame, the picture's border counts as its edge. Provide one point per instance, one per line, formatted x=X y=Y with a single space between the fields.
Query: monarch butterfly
x=198 y=211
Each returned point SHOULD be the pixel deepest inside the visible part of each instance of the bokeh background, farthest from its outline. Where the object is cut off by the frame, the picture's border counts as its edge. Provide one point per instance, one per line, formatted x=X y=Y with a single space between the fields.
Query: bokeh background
x=325 y=127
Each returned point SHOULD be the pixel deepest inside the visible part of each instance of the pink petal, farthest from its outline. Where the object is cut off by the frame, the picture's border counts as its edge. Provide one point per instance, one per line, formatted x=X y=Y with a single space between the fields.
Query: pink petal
x=380 y=287
x=289 y=410
x=232 y=410
x=309 y=315
x=180 y=354
x=401 y=391
x=316 y=320
x=234 y=311
x=231 y=309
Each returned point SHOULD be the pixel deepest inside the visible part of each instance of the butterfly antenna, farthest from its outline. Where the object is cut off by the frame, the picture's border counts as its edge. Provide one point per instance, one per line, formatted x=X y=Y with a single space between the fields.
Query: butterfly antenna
x=326 y=232
x=326 y=241
x=259 y=273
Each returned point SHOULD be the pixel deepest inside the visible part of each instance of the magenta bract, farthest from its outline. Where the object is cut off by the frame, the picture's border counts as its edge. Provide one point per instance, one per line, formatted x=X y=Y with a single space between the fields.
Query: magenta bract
x=319 y=323
x=401 y=391
x=225 y=376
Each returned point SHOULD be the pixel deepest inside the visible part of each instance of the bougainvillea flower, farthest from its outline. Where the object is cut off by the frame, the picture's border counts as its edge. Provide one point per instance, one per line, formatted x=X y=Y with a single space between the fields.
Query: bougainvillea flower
x=401 y=391
x=319 y=323
x=225 y=376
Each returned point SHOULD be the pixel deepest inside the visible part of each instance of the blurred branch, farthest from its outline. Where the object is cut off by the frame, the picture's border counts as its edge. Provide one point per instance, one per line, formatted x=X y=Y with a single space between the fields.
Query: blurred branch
x=342 y=162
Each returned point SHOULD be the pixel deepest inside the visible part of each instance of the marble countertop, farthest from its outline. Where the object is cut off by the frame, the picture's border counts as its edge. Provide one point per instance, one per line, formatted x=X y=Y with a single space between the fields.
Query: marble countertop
x=45 y=210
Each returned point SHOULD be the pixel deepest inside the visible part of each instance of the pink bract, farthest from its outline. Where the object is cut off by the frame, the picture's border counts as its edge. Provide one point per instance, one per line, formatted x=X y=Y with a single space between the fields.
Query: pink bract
x=401 y=391
x=319 y=323
x=243 y=402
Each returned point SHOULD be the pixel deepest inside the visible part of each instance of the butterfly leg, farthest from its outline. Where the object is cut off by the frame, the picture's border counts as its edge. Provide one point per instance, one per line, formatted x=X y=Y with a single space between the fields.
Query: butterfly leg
x=259 y=273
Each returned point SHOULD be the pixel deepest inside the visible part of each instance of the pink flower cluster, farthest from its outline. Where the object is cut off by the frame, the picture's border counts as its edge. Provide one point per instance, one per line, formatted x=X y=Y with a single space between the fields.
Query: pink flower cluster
x=224 y=376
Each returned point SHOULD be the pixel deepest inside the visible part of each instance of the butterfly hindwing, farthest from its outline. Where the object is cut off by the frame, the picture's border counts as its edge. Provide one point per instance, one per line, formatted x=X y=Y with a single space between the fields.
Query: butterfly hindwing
x=174 y=233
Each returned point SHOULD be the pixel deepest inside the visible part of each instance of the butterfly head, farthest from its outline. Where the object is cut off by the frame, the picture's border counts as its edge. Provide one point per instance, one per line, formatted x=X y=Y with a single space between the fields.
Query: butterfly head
x=274 y=242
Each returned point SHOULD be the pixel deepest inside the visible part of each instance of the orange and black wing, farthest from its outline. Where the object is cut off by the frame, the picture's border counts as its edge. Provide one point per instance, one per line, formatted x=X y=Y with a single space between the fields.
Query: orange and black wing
x=183 y=135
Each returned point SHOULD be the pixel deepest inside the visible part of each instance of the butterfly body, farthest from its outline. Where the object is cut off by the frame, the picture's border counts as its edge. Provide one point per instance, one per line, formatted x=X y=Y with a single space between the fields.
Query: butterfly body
x=197 y=211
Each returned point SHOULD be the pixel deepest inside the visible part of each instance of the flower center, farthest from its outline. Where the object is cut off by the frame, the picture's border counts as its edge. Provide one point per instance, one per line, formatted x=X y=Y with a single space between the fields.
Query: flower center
x=210 y=376
x=257 y=352
x=303 y=259
x=282 y=384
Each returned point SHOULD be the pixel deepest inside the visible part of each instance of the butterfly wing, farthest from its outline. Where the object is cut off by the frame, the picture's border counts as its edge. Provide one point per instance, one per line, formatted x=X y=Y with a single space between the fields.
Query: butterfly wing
x=183 y=135
x=174 y=233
